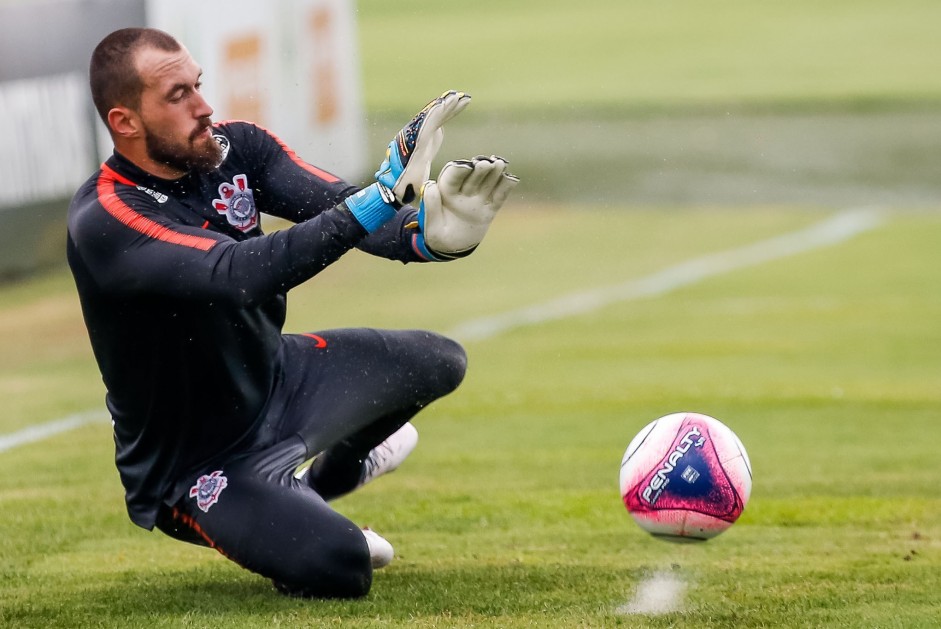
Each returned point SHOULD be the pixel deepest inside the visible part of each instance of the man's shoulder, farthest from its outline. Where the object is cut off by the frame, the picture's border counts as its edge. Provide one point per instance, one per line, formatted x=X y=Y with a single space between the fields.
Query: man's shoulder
x=107 y=194
x=107 y=183
x=240 y=130
x=85 y=201
x=87 y=191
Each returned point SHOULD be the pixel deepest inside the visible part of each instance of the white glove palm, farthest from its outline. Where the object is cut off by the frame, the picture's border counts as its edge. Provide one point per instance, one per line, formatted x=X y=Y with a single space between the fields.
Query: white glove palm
x=457 y=210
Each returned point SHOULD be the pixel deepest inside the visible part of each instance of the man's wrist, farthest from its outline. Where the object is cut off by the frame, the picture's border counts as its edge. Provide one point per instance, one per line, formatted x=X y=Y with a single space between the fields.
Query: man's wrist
x=370 y=206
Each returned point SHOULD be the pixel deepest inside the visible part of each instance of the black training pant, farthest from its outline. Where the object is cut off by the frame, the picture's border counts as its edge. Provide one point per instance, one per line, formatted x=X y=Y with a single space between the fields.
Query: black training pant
x=341 y=393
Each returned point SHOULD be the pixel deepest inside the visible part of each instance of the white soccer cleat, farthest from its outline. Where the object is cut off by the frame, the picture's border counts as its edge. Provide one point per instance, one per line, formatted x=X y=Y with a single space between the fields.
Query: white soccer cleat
x=380 y=550
x=389 y=454
x=382 y=459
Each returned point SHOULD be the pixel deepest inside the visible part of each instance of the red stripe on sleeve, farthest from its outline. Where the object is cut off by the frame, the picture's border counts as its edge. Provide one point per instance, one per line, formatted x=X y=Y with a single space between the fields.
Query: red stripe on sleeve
x=313 y=170
x=319 y=341
x=122 y=211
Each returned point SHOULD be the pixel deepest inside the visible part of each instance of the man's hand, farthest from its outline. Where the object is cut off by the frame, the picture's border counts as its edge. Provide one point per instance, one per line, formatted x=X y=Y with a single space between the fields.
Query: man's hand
x=408 y=159
x=457 y=209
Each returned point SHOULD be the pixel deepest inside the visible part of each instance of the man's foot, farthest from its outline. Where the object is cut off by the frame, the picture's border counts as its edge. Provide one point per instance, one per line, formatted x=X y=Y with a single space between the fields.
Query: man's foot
x=380 y=550
x=382 y=459
x=389 y=454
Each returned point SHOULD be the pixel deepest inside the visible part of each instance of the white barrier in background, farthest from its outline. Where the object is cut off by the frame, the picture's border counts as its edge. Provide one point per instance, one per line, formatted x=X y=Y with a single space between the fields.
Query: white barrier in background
x=46 y=142
x=289 y=65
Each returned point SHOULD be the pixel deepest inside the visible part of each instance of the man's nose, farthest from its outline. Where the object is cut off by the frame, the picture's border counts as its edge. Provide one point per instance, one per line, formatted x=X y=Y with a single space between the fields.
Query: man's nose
x=203 y=110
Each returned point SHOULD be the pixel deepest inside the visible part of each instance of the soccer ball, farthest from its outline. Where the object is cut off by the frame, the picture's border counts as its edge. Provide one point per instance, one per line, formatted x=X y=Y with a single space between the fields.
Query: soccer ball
x=685 y=477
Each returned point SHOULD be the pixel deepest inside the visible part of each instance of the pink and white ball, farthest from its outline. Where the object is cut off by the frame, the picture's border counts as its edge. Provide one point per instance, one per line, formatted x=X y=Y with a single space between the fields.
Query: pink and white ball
x=685 y=477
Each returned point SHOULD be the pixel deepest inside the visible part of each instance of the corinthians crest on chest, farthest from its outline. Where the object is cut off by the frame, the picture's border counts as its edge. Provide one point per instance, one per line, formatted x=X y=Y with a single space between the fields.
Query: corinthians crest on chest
x=237 y=202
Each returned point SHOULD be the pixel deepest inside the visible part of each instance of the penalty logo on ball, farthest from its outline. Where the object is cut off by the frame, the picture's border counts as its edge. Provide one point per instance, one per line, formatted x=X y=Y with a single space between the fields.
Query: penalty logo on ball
x=685 y=477
x=653 y=487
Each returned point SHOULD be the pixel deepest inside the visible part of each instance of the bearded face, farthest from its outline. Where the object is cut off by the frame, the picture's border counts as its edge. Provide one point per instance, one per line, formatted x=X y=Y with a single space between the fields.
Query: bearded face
x=198 y=152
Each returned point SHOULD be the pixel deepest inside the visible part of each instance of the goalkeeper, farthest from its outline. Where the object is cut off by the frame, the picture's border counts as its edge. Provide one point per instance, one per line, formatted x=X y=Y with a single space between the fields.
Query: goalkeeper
x=184 y=297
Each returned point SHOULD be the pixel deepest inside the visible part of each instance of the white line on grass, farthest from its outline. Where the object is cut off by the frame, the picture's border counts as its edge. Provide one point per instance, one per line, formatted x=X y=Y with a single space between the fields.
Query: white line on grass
x=39 y=432
x=834 y=230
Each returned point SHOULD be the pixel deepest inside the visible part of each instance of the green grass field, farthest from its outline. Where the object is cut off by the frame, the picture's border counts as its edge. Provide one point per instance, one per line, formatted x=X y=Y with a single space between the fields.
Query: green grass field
x=826 y=363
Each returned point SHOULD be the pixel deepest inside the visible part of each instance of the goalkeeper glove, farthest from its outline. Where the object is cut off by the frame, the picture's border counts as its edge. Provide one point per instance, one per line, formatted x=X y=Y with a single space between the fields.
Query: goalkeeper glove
x=457 y=210
x=407 y=163
x=408 y=159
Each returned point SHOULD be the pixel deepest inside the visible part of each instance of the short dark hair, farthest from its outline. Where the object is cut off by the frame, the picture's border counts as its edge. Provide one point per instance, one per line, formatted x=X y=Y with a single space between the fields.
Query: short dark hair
x=112 y=73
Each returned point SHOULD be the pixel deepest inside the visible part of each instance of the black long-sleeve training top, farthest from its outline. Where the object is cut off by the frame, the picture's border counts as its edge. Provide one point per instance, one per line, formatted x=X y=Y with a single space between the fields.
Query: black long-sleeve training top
x=184 y=296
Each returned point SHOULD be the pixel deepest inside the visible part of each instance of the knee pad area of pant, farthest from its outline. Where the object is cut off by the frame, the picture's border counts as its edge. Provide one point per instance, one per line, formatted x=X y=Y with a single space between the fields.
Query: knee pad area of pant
x=338 y=567
x=341 y=588
x=342 y=579
x=453 y=362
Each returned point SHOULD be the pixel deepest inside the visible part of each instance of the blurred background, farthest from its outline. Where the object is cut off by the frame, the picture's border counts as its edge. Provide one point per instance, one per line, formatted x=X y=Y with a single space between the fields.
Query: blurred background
x=604 y=103
x=650 y=137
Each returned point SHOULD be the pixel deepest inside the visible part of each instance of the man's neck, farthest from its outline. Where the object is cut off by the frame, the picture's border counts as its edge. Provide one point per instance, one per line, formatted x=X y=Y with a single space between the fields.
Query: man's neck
x=138 y=156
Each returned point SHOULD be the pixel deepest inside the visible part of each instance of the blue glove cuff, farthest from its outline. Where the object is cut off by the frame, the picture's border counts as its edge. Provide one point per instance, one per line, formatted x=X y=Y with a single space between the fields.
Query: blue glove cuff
x=391 y=167
x=370 y=208
x=418 y=239
x=418 y=244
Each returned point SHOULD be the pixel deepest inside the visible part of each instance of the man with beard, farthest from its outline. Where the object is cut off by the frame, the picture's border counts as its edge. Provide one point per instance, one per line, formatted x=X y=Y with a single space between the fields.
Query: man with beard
x=214 y=409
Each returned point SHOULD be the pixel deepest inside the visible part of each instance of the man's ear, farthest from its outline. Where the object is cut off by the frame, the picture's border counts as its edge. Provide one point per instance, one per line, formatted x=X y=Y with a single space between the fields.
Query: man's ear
x=124 y=122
